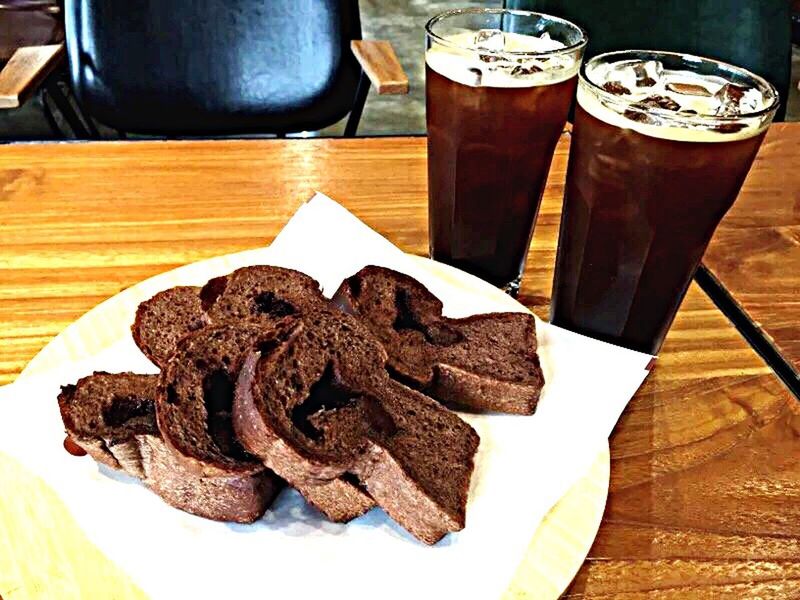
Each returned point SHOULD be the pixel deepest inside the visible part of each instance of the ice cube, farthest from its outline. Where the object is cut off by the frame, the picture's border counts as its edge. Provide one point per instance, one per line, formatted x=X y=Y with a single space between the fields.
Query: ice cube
x=643 y=78
x=688 y=89
x=730 y=97
x=545 y=43
x=730 y=127
x=624 y=73
x=660 y=102
x=558 y=63
x=493 y=40
x=478 y=74
x=638 y=116
x=616 y=88
x=752 y=101
x=525 y=69
x=646 y=111
x=648 y=74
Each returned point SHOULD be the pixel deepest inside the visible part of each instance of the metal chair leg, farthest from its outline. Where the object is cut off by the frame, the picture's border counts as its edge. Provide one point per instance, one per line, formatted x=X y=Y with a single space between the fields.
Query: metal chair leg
x=358 y=106
x=83 y=128
x=49 y=116
x=93 y=133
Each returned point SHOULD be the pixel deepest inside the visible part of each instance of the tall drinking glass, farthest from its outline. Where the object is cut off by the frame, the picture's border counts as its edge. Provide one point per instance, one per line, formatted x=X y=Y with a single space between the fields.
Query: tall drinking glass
x=661 y=145
x=499 y=88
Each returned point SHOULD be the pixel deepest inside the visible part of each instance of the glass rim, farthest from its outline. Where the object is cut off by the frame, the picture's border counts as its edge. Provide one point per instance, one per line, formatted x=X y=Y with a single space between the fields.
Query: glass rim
x=508 y=11
x=617 y=100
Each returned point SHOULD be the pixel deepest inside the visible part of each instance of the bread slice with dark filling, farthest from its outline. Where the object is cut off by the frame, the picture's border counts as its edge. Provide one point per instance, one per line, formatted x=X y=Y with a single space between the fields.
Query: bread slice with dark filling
x=195 y=397
x=261 y=294
x=112 y=417
x=105 y=414
x=318 y=405
x=485 y=362
x=258 y=295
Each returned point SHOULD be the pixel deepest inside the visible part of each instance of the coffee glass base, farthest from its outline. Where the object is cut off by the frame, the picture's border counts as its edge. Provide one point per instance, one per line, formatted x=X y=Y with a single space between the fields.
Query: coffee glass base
x=512 y=288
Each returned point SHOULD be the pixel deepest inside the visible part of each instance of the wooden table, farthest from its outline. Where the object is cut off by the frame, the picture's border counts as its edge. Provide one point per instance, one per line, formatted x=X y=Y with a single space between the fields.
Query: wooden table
x=705 y=491
x=755 y=254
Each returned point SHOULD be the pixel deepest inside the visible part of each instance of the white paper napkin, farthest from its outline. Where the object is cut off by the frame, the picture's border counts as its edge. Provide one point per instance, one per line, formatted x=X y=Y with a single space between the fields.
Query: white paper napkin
x=524 y=465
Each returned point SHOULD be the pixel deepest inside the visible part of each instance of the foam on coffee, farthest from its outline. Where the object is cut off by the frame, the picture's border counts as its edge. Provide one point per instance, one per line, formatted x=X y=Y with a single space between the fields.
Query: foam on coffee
x=493 y=58
x=670 y=104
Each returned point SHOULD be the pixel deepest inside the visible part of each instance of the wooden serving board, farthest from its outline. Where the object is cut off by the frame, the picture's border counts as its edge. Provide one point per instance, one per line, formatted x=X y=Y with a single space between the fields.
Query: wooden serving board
x=44 y=554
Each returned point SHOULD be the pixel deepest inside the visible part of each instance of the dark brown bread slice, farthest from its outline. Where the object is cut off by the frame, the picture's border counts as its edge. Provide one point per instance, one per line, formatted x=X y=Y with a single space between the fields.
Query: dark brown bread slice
x=105 y=413
x=164 y=319
x=112 y=416
x=319 y=405
x=261 y=294
x=194 y=411
x=195 y=397
x=484 y=362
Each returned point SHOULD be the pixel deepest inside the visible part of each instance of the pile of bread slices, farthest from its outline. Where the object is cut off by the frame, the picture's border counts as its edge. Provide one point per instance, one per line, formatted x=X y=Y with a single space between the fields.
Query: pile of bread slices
x=264 y=382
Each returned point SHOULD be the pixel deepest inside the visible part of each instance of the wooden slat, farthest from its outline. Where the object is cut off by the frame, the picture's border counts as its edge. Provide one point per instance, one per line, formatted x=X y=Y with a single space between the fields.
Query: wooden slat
x=705 y=492
x=27 y=68
x=380 y=63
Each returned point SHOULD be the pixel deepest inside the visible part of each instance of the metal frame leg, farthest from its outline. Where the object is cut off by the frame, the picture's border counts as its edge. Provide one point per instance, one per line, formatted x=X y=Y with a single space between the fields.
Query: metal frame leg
x=48 y=114
x=358 y=106
x=87 y=121
x=83 y=128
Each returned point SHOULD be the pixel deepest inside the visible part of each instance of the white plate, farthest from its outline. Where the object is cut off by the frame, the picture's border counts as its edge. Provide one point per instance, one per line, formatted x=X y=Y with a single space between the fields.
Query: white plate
x=562 y=541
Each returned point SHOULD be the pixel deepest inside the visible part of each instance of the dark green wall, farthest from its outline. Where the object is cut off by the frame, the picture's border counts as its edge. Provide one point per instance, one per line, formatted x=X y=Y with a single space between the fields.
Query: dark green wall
x=754 y=34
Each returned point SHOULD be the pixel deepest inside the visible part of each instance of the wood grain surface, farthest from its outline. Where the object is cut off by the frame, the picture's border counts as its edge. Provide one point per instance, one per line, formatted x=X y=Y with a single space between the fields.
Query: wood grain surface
x=705 y=493
x=755 y=253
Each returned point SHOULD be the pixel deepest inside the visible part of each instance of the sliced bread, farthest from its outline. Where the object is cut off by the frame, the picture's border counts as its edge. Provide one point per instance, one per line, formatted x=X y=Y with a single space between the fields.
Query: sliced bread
x=112 y=416
x=485 y=362
x=195 y=396
x=260 y=295
x=164 y=319
x=319 y=405
x=106 y=413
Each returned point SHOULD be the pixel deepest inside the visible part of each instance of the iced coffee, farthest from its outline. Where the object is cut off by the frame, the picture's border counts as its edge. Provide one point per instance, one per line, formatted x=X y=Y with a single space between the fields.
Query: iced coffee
x=499 y=87
x=661 y=145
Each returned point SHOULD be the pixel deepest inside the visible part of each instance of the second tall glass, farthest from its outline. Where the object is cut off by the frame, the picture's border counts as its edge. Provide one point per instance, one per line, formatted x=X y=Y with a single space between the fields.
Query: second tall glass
x=661 y=145
x=499 y=87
